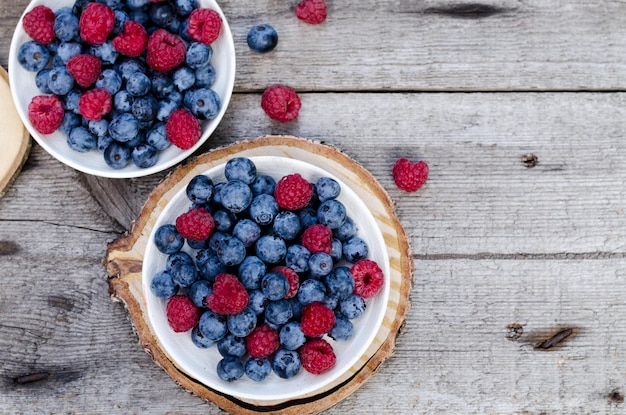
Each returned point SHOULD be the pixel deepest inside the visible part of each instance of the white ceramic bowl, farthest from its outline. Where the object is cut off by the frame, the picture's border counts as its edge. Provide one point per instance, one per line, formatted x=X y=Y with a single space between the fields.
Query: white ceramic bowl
x=24 y=89
x=201 y=364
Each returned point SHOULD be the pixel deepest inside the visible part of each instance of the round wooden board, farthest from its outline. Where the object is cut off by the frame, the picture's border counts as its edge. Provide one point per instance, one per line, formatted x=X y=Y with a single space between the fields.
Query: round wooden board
x=124 y=258
x=14 y=137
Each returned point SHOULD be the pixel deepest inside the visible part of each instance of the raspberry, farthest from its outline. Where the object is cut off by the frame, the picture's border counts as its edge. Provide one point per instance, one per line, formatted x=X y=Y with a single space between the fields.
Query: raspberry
x=292 y=277
x=318 y=238
x=165 y=51
x=196 y=224
x=317 y=319
x=182 y=314
x=95 y=104
x=409 y=176
x=96 y=23
x=293 y=192
x=45 y=113
x=368 y=278
x=132 y=41
x=229 y=295
x=317 y=356
x=85 y=69
x=262 y=342
x=183 y=129
x=39 y=24
x=204 y=25
x=311 y=11
x=281 y=103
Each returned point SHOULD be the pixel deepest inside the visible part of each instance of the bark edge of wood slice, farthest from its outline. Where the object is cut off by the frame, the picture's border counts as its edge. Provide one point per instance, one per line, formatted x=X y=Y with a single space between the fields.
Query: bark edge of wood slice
x=123 y=262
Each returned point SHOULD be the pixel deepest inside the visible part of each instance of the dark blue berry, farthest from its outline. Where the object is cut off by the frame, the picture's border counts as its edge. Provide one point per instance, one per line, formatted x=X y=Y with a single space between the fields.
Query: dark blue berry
x=99 y=128
x=236 y=196
x=240 y=168
x=138 y=84
x=242 y=324
x=232 y=345
x=67 y=50
x=287 y=225
x=123 y=101
x=81 y=140
x=230 y=369
x=70 y=121
x=215 y=239
x=278 y=312
x=311 y=291
x=162 y=85
x=263 y=209
x=205 y=76
x=163 y=286
x=199 y=340
x=331 y=213
x=106 y=52
x=184 y=275
x=320 y=264
x=224 y=221
x=121 y=17
x=60 y=82
x=336 y=252
x=145 y=109
x=327 y=188
x=209 y=264
x=286 y=363
x=71 y=101
x=355 y=249
x=257 y=301
x=161 y=14
x=274 y=285
x=168 y=240
x=231 y=251
x=262 y=38
x=156 y=136
x=198 y=55
x=297 y=258
x=343 y=328
x=165 y=107
x=184 y=78
x=212 y=325
x=308 y=217
x=271 y=249
x=291 y=336
x=257 y=369
x=66 y=27
x=251 y=271
x=263 y=184
x=41 y=80
x=340 y=282
x=199 y=189
x=346 y=231
x=199 y=291
x=144 y=156
x=110 y=80
x=104 y=142
x=178 y=258
x=33 y=56
x=352 y=306
x=185 y=7
x=124 y=127
x=247 y=231
x=204 y=103
x=129 y=67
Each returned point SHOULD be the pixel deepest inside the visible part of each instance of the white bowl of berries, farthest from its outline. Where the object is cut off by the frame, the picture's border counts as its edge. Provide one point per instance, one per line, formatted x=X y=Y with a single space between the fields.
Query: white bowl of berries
x=266 y=278
x=122 y=88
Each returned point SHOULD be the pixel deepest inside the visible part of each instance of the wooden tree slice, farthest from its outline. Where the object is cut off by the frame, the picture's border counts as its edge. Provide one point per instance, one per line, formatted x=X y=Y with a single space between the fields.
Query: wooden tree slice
x=14 y=137
x=124 y=258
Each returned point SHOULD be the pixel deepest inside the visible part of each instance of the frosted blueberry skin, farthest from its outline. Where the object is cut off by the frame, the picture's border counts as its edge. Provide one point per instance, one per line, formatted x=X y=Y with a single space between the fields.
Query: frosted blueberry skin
x=262 y=38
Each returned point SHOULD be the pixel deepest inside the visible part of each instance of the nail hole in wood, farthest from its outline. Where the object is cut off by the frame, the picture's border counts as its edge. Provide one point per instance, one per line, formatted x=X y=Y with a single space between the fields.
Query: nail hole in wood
x=530 y=160
x=515 y=331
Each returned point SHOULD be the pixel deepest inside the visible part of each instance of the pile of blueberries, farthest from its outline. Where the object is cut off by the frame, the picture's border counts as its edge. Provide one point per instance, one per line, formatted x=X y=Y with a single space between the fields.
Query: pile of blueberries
x=253 y=235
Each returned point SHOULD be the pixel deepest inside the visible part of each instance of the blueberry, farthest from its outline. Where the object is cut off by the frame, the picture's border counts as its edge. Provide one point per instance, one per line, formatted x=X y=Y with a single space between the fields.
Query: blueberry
x=320 y=264
x=104 y=142
x=343 y=328
x=352 y=306
x=110 y=80
x=71 y=101
x=161 y=14
x=215 y=239
x=257 y=301
x=209 y=264
x=41 y=80
x=274 y=285
x=197 y=244
x=129 y=67
x=336 y=252
x=117 y=155
x=271 y=248
x=199 y=340
x=140 y=138
x=70 y=121
x=66 y=27
x=262 y=38
x=242 y=324
x=331 y=302
x=33 y=56
x=217 y=194
x=184 y=78
x=212 y=325
x=230 y=369
x=81 y=140
x=106 y=52
x=263 y=184
x=60 y=82
x=199 y=291
x=240 y=168
x=165 y=107
x=199 y=189
x=346 y=231
x=205 y=76
x=224 y=221
x=232 y=345
x=168 y=240
x=287 y=225
x=185 y=7
x=67 y=50
x=296 y=307
x=157 y=137
x=247 y=231
x=137 y=4
x=79 y=6
x=297 y=258
x=340 y=282
x=184 y=275
x=139 y=16
x=163 y=286
x=231 y=251
x=121 y=17
x=278 y=312
x=124 y=127
x=236 y=196
x=144 y=156
x=263 y=209
x=138 y=84
x=144 y=108
x=308 y=217
x=257 y=369
x=123 y=101
x=204 y=103
x=62 y=11
x=251 y=271
x=331 y=213
x=198 y=55
x=178 y=258
x=355 y=249
x=286 y=363
x=291 y=336
x=327 y=188
x=162 y=85
x=99 y=127
x=311 y=291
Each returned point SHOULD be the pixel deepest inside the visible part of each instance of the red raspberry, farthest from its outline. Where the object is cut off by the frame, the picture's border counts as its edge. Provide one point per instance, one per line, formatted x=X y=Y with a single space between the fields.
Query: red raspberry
x=183 y=129
x=281 y=103
x=409 y=176
x=204 y=25
x=196 y=224
x=165 y=51
x=229 y=295
x=292 y=277
x=317 y=319
x=311 y=11
x=95 y=104
x=368 y=278
x=293 y=192
x=39 y=24
x=96 y=23
x=317 y=356
x=182 y=314
x=318 y=238
x=132 y=41
x=85 y=69
x=46 y=113
x=262 y=342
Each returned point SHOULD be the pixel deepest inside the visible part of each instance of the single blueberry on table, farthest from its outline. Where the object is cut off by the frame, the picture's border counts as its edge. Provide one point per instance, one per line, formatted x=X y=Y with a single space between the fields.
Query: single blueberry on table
x=262 y=38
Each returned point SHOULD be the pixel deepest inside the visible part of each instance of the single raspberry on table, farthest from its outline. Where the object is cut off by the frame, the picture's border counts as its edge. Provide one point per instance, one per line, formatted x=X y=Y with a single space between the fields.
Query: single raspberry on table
x=196 y=224
x=368 y=278
x=183 y=129
x=229 y=295
x=262 y=342
x=46 y=113
x=85 y=69
x=182 y=313
x=132 y=41
x=317 y=319
x=95 y=104
x=204 y=25
x=165 y=51
x=96 y=23
x=292 y=277
x=409 y=176
x=281 y=103
x=317 y=356
x=311 y=11
x=39 y=24
x=318 y=238
x=293 y=192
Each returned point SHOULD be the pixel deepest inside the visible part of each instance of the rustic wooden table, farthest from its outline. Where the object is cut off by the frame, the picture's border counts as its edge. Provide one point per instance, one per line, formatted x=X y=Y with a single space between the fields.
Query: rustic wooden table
x=518 y=236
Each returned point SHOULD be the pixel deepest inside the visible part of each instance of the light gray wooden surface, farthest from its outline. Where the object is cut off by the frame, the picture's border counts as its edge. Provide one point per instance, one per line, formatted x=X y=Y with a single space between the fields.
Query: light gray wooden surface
x=506 y=254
